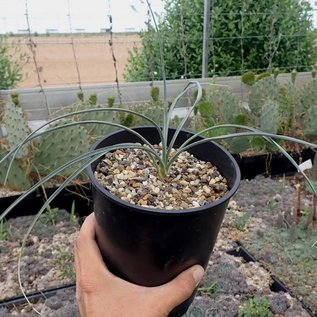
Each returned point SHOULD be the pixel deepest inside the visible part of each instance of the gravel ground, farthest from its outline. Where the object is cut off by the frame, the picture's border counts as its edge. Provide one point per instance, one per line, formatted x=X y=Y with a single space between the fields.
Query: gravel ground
x=47 y=260
x=280 y=236
x=231 y=285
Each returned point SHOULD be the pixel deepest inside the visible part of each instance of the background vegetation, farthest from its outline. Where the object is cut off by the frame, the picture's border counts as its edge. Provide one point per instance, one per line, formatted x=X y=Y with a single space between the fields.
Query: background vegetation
x=244 y=35
x=11 y=63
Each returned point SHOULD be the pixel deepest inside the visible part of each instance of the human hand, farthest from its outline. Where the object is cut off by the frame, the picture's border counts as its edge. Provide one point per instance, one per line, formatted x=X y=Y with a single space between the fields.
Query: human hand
x=101 y=294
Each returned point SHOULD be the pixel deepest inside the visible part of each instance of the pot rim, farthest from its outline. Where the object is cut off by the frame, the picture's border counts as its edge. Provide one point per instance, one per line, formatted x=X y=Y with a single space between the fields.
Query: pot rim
x=160 y=211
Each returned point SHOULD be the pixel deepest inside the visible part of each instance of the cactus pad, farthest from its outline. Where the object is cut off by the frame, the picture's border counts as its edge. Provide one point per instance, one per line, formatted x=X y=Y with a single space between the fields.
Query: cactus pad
x=260 y=92
x=239 y=145
x=98 y=130
x=226 y=107
x=270 y=117
x=18 y=178
x=58 y=147
x=16 y=126
x=310 y=126
x=308 y=96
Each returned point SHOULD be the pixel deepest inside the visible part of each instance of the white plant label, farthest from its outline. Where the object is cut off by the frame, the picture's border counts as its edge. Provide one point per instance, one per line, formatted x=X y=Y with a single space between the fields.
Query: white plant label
x=305 y=165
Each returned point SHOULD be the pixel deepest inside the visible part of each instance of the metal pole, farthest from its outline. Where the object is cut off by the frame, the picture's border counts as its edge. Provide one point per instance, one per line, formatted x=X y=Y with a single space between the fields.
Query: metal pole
x=204 y=72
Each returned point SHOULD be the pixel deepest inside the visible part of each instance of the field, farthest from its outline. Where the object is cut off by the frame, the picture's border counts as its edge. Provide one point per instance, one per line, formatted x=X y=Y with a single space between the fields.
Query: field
x=59 y=56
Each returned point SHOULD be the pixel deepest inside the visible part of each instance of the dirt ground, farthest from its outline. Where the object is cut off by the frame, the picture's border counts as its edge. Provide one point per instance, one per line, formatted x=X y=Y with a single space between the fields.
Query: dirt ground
x=58 y=59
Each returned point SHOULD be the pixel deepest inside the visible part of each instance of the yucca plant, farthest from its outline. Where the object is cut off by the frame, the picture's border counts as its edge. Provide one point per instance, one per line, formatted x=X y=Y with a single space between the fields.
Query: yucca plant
x=162 y=159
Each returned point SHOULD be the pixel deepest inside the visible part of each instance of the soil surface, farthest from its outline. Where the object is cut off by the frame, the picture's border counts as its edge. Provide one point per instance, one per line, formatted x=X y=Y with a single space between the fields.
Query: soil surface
x=232 y=287
x=279 y=227
x=131 y=175
x=47 y=259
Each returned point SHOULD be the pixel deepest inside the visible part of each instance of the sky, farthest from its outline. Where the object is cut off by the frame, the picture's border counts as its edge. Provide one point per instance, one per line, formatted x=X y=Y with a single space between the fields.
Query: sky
x=87 y=16
x=90 y=16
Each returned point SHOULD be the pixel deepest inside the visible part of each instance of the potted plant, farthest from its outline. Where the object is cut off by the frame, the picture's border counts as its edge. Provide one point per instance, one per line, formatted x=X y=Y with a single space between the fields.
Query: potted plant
x=148 y=245
x=159 y=243
x=157 y=236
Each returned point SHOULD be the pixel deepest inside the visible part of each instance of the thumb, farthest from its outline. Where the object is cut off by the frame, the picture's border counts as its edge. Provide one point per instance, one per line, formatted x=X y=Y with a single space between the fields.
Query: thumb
x=181 y=288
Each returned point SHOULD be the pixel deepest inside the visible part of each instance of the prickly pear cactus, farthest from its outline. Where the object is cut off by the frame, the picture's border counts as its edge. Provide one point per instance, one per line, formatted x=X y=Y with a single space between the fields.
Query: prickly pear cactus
x=262 y=76
x=308 y=97
x=94 y=130
x=16 y=127
x=226 y=106
x=58 y=147
x=18 y=178
x=266 y=88
x=288 y=107
x=293 y=76
x=155 y=93
x=98 y=130
x=239 y=145
x=288 y=94
x=270 y=117
x=310 y=122
x=153 y=109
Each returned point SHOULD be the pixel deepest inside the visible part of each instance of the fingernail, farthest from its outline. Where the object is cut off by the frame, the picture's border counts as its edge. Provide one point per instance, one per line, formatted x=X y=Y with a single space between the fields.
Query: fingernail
x=198 y=273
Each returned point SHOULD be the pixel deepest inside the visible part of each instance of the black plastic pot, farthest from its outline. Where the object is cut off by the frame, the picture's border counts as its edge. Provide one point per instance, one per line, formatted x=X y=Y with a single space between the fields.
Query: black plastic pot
x=271 y=164
x=149 y=246
x=80 y=195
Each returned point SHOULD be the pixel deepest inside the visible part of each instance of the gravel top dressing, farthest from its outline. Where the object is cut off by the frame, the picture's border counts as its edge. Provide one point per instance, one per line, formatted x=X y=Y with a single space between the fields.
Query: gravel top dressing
x=130 y=175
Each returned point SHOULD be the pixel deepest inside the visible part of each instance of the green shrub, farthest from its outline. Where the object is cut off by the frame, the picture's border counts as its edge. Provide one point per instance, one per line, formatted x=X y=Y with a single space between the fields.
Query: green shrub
x=259 y=35
x=11 y=62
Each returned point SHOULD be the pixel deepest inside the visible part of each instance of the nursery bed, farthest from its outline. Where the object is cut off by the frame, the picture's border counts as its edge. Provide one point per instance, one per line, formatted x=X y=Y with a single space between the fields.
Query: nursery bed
x=232 y=279
x=283 y=245
x=252 y=218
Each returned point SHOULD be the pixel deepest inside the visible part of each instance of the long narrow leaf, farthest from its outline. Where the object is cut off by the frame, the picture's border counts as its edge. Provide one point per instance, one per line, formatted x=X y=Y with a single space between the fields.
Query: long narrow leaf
x=191 y=109
x=97 y=153
x=237 y=126
x=37 y=133
x=80 y=158
x=234 y=135
x=255 y=132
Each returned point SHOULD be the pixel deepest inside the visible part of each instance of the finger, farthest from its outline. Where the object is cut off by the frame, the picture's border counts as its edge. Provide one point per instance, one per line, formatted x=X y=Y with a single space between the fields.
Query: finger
x=88 y=227
x=181 y=288
x=89 y=264
x=86 y=247
x=79 y=295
